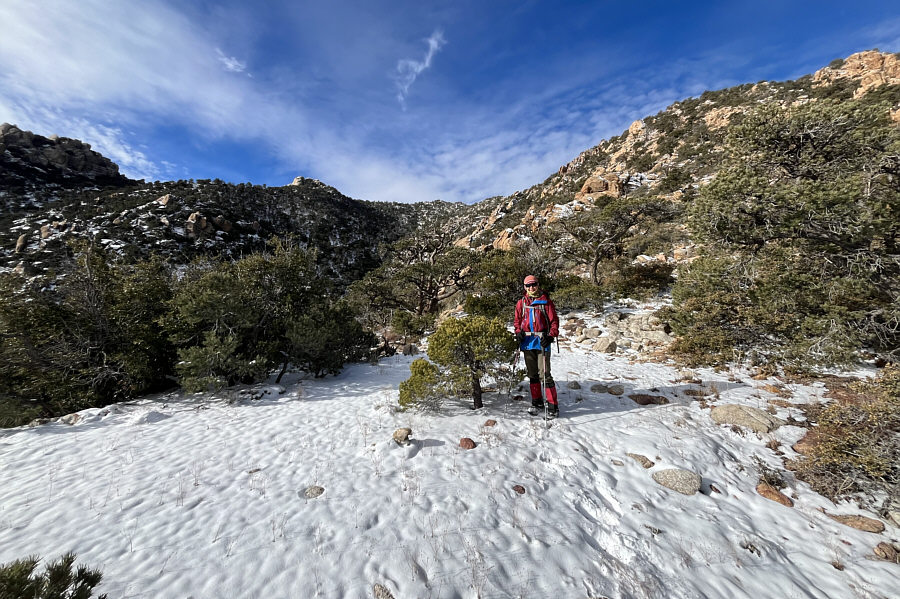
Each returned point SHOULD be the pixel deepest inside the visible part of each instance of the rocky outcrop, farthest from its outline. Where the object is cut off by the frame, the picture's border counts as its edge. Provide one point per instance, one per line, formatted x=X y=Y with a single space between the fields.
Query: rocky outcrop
x=871 y=68
x=622 y=330
x=29 y=159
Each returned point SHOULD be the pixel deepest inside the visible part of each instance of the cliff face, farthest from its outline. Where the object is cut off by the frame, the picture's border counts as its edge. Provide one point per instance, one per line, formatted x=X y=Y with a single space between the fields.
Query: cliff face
x=27 y=160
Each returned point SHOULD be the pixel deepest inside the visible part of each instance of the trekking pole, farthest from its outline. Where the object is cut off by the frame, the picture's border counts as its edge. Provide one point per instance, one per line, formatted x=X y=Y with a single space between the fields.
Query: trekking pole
x=544 y=390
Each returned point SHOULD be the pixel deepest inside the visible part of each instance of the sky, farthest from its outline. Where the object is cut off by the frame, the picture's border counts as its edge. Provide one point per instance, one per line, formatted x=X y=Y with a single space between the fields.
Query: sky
x=457 y=100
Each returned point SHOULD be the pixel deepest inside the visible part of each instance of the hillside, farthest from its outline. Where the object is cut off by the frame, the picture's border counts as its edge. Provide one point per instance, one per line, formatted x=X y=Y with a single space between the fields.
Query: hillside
x=672 y=154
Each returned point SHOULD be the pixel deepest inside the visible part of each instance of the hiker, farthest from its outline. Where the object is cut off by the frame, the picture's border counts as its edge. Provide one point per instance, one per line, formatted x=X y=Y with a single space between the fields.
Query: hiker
x=536 y=325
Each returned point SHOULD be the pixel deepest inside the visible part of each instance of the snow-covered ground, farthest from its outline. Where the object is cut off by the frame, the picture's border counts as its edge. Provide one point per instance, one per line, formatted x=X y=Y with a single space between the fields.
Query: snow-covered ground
x=204 y=496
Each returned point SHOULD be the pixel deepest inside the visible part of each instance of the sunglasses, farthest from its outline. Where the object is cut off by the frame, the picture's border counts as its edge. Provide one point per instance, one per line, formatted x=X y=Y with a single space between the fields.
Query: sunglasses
x=531 y=284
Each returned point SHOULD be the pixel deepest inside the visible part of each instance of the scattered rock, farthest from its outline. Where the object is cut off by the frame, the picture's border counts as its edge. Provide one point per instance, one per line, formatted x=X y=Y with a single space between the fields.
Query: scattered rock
x=753 y=418
x=616 y=462
x=70 y=418
x=467 y=443
x=641 y=459
x=599 y=388
x=714 y=488
x=642 y=399
x=616 y=390
x=402 y=435
x=519 y=489
x=677 y=479
x=605 y=345
x=381 y=592
x=770 y=492
x=858 y=522
x=313 y=492
x=518 y=398
x=490 y=422
x=410 y=349
x=805 y=445
x=21 y=242
x=163 y=200
x=888 y=552
x=573 y=385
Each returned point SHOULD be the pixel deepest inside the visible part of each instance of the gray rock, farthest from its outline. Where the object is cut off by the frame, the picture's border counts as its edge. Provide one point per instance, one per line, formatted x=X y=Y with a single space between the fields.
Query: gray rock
x=313 y=492
x=573 y=385
x=599 y=388
x=381 y=592
x=616 y=389
x=592 y=333
x=753 y=418
x=605 y=345
x=676 y=479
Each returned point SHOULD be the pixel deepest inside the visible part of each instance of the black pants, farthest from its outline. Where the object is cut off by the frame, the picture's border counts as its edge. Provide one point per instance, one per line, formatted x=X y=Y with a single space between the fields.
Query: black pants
x=534 y=364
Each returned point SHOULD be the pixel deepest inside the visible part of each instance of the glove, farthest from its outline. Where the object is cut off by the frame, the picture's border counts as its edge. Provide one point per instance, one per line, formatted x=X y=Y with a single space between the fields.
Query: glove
x=546 y=342
x=520 y=337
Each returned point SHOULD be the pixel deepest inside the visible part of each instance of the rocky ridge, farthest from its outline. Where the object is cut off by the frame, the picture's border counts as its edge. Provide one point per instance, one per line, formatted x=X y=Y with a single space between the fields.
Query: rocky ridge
x=670 y=155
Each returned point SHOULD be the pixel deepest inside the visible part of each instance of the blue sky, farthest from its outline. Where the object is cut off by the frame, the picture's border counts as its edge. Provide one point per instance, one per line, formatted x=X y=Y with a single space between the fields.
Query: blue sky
x=392 y=100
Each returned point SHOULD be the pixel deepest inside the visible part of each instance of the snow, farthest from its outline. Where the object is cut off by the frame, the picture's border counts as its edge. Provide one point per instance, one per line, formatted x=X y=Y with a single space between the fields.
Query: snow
x=205 y=495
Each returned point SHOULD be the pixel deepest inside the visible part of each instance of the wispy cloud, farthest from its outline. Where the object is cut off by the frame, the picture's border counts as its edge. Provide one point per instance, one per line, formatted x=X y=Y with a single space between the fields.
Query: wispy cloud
x=408 y=70
x=231 y=64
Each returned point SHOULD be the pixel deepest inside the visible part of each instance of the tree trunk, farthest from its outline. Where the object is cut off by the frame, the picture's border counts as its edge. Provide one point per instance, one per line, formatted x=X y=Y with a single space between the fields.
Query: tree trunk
x=283 y=370
x=476 y=390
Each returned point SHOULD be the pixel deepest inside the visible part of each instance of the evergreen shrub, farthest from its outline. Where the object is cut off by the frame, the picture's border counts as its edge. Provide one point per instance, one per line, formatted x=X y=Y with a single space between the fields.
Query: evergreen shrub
x=18 y=579
x=421 y=388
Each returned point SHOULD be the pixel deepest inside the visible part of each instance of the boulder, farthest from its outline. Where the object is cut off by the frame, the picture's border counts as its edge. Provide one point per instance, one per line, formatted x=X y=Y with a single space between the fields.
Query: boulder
x=678 y=479
x=770 y=492
x=313 y=491
x=402 y=435
x=467 y=443
x=599 y=388
x=605 y=345
x=858 y=522
x=573 y=385
x=645 y=399
x=616 y=389
x=888 y=552
x=21 y=242
x=490 y=423
x=753 y=418
x=519 y=489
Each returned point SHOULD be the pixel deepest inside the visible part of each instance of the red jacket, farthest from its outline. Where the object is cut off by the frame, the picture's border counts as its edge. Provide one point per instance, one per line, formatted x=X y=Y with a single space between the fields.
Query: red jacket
x=538 y=318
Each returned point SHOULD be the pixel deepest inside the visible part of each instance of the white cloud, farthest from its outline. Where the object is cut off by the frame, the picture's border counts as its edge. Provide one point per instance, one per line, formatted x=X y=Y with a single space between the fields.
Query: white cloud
x=231 y=64
x=408 y=70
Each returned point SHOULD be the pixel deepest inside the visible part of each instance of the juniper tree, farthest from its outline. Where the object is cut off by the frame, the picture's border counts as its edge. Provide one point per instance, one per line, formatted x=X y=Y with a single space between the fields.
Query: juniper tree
x=469 y=349
x=802 y=238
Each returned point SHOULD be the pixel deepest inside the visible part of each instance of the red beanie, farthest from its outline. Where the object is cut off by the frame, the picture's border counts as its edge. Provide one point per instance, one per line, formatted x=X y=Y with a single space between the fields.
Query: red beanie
x=531 y=279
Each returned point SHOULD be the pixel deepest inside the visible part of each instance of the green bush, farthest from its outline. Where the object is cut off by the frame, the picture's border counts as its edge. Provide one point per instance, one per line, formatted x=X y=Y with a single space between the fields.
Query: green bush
x=85 y=339
x=470 y=349
x=421 y=388
x=18 y=579
x=325 y=338
x=229 y=320
x=579 y=295
x=621 y=279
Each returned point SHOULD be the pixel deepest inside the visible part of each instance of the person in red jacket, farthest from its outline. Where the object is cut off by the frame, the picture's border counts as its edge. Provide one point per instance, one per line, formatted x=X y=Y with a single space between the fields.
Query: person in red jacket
x=536 y=325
